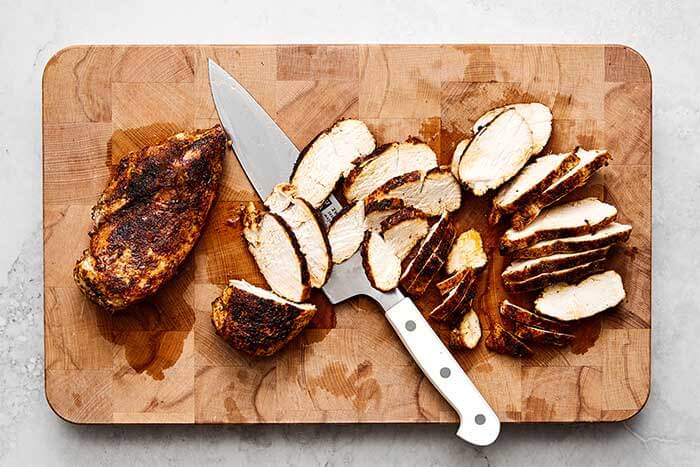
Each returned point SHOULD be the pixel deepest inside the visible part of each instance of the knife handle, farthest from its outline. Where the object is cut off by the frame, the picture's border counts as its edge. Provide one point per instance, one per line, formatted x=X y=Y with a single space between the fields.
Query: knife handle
x=478 y=423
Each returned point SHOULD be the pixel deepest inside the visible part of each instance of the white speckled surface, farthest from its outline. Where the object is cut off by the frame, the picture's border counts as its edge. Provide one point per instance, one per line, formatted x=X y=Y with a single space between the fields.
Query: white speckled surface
x=666 y=33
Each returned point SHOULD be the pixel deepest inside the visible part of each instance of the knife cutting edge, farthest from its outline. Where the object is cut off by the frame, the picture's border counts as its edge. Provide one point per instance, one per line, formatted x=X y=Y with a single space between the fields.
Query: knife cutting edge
x=267 y=156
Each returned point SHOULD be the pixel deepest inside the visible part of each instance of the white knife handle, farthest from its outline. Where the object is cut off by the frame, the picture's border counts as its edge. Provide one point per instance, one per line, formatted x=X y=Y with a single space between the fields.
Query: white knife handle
x=478 y=423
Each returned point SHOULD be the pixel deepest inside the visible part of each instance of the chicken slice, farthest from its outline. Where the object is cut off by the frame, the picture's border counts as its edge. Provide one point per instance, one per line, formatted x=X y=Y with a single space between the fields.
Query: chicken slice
x=255 y=320
x=277 y=253
x=308 y=229
x=565 y=220
x=382 y=266
x=496 y=153
x=593 y=295
x=328 y=157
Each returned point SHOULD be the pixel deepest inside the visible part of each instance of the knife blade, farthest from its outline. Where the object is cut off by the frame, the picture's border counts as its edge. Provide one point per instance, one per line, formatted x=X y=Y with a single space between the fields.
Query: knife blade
x=267 y=156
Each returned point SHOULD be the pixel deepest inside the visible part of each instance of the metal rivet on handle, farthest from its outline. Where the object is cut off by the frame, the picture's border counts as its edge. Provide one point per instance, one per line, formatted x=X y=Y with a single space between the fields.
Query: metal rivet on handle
x=480 y=419
x=411 y=325
x=445 y=372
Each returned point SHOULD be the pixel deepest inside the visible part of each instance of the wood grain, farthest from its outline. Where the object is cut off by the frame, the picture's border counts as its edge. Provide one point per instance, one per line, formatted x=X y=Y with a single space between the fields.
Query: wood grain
x=162 y=362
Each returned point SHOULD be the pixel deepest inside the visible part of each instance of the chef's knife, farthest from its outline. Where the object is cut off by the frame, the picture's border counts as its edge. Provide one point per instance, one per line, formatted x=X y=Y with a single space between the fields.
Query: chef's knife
x=267 y=156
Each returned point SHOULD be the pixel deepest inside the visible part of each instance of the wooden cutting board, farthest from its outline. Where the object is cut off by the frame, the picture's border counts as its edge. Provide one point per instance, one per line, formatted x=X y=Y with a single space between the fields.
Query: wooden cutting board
x=162 y=362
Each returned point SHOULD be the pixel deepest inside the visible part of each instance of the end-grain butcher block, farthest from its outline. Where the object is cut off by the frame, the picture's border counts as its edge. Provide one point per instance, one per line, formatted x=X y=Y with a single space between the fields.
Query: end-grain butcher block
x=433 y=192
x=277 y=254
x=149 y=217
x=591 y=296
x=387 y=162
x=328 y=157
x=257 y=321
x=535 y=177
x=576 y=218
x=589 y=162
x=605 y=237
x=496 y=153
x=307 y=228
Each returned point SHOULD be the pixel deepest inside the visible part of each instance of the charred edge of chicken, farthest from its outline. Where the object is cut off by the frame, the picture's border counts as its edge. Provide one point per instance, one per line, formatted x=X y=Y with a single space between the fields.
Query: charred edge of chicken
x=501 y=341
x=542 y=265
x=425 y=276
x=522 y=315
x=535 y=335
x=454 y=305
x=527 y=213
x=361 y=162
x=562 y=246
x=535 y=190
x=257 y=325
x=445 y=285
x=384 y=204
x=396 y=182
x=405 y=214
x=508 y=246
x=551 y=278
x=425 y=250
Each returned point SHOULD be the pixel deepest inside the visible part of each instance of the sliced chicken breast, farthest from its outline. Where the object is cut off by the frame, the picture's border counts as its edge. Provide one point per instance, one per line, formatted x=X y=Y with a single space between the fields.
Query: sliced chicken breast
x=605 y=237
x=457 y=301
x=589 y=162
x=404 y=229
x=526 y=269
x=308 y=229
x=329 y=157
x=533 y=335
x=255 y=320
x=445 y=285
x=530 y=182
x=565 y=220
x=501 y=341
x=496 y=153
x=429 y=257
x=538 y=118
x=432 y=192
x=382 y=266
x=466 y=253
x=468 y=333
x=522 y=315
x=548 y=278
x=593 y=295
x=388 y=161
x=277 y=254
x=346 y=232
x=377 y=211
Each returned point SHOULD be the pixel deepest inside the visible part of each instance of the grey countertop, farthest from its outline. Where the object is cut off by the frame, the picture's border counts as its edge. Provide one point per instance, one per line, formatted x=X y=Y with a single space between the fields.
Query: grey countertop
x=665 y=32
